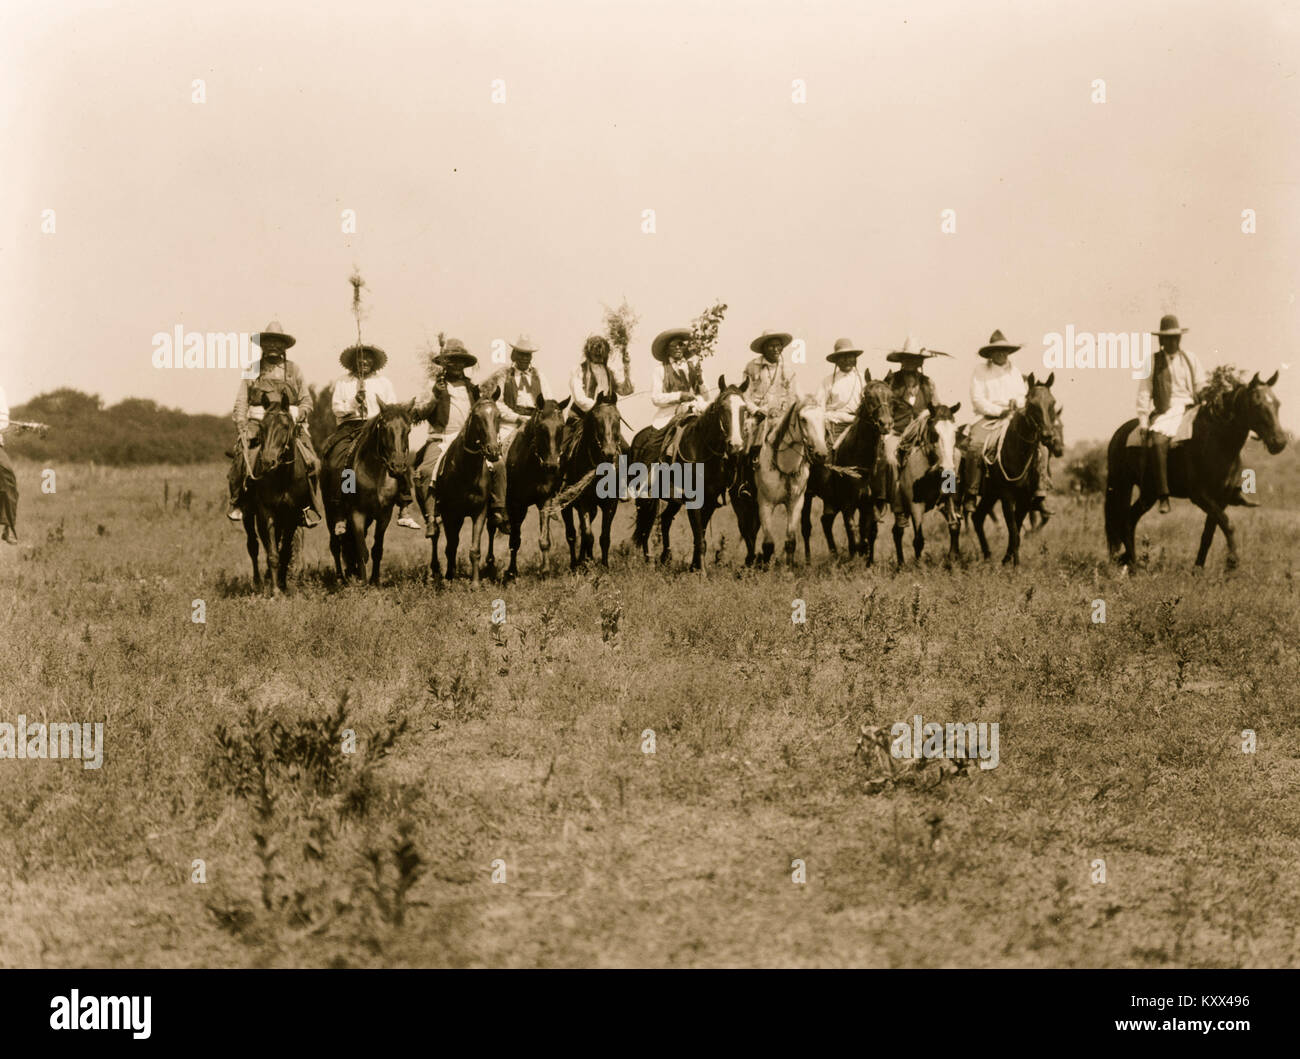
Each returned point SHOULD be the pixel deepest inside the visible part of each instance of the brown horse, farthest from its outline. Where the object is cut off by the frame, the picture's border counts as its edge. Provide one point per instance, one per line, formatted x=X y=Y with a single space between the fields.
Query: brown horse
x=362 y=472
x=276 y=492
x=927 y=478
x=464 y=484
x=860 y=447
x=1011 y=478
x=1206 y=468
x=711 y=443
x=598 y=446
x=532 y=477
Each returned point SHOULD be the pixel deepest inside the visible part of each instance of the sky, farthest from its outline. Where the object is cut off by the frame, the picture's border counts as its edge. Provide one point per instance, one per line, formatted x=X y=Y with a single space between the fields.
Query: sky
x=484 y=219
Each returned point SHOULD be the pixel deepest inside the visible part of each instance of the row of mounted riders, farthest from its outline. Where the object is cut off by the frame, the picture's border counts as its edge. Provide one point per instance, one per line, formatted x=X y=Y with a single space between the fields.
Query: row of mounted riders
x=792 y=464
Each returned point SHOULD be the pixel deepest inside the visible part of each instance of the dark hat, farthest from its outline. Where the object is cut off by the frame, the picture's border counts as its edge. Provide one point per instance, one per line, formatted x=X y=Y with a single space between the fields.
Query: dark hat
x=348 y=358
x=1169 y=326
x=844 y=347
x=998 y=341
x=659 y=347
x=454 y=352
x=784 y=336
x=273 y=330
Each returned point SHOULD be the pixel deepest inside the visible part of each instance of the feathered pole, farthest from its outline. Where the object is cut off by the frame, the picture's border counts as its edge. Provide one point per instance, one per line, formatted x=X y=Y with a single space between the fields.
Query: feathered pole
x=357 y=283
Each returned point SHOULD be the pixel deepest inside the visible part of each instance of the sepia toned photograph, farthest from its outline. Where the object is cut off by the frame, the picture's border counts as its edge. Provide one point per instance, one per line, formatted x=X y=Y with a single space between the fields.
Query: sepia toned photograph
x=702 y=485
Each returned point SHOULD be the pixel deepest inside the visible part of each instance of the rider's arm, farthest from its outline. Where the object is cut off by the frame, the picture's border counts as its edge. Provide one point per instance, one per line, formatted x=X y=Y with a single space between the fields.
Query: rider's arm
x=981 y=401
x=241 y=404
x=1145 y=403
x=581 y=401
x=343 y=402
x=622 y=378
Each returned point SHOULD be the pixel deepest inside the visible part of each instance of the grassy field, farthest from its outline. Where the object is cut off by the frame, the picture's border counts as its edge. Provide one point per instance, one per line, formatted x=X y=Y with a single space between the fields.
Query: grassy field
x=522 y=743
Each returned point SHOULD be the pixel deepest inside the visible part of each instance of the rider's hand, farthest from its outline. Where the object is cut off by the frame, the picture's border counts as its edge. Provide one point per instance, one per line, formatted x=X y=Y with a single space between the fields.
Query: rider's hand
x=293 y=412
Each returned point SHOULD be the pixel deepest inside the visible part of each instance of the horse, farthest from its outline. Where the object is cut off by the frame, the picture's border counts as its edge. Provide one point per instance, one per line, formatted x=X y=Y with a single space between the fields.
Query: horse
x=927 y=478
x=1011 y=477
x=1205 y=469
x=598 y=445
x=464 y=484
x=362 y=473
x=785 y=459
x=710 y=442
x=532 y=476
x=861 y=447
x=276 y=492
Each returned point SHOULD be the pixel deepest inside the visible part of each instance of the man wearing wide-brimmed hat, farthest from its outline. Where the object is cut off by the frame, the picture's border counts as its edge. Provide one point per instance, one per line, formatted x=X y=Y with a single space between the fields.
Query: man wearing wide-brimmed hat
x=1163 y=397
x=448 y=408
x=840 y=393
x=276 y=376
x=522 y=388
x=677 y=388
x=913 y=397
x=996 y=390
x=772 y=385
x=355 y=400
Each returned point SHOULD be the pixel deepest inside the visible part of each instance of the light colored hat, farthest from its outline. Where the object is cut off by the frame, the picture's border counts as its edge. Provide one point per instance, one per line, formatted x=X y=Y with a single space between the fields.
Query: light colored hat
x=523 y=344
x=659 y=347
x=912 y=348
x=757 y=345
x=273 y=330
x=348 y=358
x=454 y=352
x=998 y=341
x=844 y=347
x=1169 y=326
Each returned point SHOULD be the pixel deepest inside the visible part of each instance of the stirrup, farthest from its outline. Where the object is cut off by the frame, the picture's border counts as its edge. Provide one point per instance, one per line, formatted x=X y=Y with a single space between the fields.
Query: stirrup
x=235 y=515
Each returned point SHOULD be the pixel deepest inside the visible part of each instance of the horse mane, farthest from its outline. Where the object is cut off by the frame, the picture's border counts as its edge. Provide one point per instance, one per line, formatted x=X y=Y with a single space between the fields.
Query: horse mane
x=789 y=413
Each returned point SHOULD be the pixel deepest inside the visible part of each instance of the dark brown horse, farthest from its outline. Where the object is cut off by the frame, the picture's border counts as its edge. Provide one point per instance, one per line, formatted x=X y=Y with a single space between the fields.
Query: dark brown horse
x=860 y=447
x=1206 y=468
x=709 y=444
x=532 y=477
x=464 y=484
x=1011 y=478
x=597 y=449
x=363 y=469
x=276 y=492
x=927 y=478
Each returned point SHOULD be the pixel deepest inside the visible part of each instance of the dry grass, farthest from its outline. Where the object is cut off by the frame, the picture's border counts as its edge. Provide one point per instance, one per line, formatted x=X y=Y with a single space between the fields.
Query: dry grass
x=523 y=743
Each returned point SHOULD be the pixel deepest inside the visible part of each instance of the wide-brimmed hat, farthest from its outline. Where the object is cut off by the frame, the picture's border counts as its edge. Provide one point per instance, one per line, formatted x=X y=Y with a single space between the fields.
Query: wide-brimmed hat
x=1169 y=326
x=762 y=340
x=844 y=347
x=659 y=347
x=454 y=352
x=912 y=348
x=273 y=330
x=523 y=344
x=998 y=341
x=348 y=358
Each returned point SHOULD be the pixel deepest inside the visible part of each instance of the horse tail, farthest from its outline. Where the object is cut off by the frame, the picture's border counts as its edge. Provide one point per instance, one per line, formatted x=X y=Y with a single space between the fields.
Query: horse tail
x=1119 y=487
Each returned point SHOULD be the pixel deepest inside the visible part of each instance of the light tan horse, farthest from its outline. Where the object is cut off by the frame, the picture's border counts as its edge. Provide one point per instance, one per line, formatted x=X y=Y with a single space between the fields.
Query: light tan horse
x=790 y=448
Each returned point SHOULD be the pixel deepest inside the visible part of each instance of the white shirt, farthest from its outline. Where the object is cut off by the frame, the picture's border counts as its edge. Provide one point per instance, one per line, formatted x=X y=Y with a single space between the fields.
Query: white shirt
x=840 y=395
x=523 y=395
x=668 y=402
x=344 y=403
x=1184 y=374
x=993 y=387
x=458 y=409
x=607 y=381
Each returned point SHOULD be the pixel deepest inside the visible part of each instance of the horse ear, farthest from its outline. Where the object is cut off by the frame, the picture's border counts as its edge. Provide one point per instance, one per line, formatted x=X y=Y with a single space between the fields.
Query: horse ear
x=722 y=381
x=1029 y=380
x=1050 y=379
x=744 y=385
x=284 y=402
x=1255 y=380
x=562 y=405
x=496 y=392
x=866 y=374
x=1272 y=380
x=382 y=403
x=410 y=408
x=955 y=408
x=266 y=402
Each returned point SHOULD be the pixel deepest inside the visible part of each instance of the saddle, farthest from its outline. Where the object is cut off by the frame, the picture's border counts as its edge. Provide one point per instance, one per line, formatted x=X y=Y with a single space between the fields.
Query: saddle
x=1182 y=434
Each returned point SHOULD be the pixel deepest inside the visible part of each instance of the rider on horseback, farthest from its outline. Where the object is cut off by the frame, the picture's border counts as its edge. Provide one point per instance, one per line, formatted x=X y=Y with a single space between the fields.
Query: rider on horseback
x=1163 y=397
x=522 y=390
x=452 y=397
x=997 y=389
x=587 y=381
x=913 y=400
x=841 y=390
x=677 y=389
x=276 y=377
x=771 y=386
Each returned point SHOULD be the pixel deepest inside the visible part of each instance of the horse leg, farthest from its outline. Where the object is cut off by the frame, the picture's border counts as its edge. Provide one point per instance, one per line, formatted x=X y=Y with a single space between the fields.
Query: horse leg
x=869 y=531
x=1137 y=509
x=250 y=531
x=665 y=528
x=452 y=528
x=357 y=529
x=765 y=510
x=850 y=530
x=475 y=543
x=570 y=534
x=586 y=516
x=1011 y=516
x=1207 y=538
x=805 y=529
x=918 y=530
x=1214 y=511
x=433 y=538
x=377 y=551
x=516 y=532
x=982 y=510
x=490 y=563
x=644 y=520
x=607 y=512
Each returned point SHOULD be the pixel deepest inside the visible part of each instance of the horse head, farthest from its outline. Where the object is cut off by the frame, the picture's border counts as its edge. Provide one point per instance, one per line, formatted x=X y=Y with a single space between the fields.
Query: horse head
x=482 y=426
x=276 y=448
x=729 y=407
x=1044 y=414
x=942 y=435
x=603 y=427
x=392 y=431
x=1260 y=412
x=812 y=424
x=546 y=425
x=877 y=405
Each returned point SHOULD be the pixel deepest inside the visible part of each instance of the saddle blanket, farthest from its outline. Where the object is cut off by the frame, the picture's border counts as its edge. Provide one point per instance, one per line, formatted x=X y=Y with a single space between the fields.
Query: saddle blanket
x=1182 y=434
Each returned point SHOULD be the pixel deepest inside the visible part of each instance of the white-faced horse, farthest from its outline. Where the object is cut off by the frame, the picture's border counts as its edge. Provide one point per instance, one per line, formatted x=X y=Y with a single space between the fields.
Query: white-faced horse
x=790 y=447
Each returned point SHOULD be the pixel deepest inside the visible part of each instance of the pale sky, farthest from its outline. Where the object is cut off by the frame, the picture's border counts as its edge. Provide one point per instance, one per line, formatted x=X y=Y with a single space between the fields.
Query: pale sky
x=485 y=219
